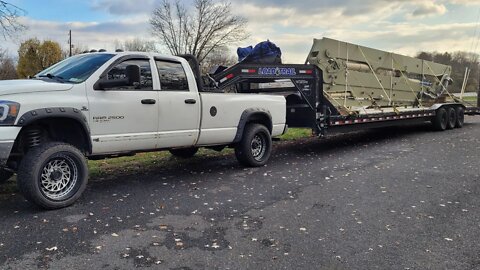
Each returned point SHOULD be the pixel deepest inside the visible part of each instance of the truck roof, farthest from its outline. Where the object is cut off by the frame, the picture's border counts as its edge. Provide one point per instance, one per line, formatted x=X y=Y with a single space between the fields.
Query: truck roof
x=148 y=54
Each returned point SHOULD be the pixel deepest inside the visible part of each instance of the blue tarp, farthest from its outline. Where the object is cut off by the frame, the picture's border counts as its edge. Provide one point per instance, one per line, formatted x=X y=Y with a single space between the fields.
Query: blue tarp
x=244 y=52
x=264 y=52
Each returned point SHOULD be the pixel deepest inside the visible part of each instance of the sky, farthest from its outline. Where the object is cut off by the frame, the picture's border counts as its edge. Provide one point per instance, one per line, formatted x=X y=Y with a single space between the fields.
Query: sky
x=401 y=26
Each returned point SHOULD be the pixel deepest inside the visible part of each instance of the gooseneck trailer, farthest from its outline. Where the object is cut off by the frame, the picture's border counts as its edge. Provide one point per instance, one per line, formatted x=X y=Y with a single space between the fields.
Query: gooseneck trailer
x=346 y=87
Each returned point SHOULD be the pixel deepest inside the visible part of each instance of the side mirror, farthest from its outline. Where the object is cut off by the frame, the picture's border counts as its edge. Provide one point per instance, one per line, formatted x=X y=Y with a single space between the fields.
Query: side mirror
x=133 y=75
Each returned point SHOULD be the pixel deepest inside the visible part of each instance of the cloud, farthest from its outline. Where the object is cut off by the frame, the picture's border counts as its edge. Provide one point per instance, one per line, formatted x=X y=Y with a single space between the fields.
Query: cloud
x=463 y=2
x=92 y=35
x=126 y=7
x=429 y=9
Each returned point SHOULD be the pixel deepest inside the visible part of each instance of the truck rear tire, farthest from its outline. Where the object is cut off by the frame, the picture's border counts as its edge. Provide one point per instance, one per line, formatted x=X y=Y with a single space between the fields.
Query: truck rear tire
x=460 y=117
x=255 y=148
x=53 y=175
x=5 y=175
x=184 y=152
x=440 y=120
x=452 y=118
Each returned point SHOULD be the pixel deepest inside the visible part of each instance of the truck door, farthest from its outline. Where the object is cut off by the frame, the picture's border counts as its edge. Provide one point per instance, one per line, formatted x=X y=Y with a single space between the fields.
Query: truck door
x=125 y=117
x=179 y=106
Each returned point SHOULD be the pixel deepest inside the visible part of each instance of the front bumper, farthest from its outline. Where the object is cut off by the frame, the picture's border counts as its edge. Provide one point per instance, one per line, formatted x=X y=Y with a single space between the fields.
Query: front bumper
x=7 y=139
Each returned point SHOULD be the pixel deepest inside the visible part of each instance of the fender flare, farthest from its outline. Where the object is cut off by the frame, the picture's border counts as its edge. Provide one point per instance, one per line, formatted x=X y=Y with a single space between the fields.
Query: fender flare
x=251 y=114
x=57 y=112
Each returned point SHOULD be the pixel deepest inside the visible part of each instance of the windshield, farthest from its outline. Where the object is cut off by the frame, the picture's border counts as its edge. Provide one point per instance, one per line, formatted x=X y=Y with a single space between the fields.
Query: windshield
x=75 y=69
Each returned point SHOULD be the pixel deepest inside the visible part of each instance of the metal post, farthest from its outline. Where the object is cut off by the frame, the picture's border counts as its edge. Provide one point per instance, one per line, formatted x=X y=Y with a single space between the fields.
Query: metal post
x=478 y=96
x=70 y=42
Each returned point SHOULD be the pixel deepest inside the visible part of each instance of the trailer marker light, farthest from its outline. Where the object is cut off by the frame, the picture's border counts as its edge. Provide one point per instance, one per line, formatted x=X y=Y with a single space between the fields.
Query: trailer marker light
x=228 y=77
x=306 y=71
x=249 y=71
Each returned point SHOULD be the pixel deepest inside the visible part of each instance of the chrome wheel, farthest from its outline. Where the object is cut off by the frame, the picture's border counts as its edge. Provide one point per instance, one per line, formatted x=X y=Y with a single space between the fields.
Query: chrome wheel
x=258 y=147
x=59 y=177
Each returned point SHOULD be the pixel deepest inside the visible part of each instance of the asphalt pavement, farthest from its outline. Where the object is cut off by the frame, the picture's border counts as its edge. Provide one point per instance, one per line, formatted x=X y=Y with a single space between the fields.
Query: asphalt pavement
x=396 y=198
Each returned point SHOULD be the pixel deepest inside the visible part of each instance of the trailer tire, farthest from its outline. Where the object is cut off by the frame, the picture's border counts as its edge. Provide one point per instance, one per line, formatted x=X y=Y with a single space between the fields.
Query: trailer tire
x=184 y=152
x=255 y=147
x=452 y=118
x=53 y=175
x=5 y=175
x=440 y=120
x=460 y=111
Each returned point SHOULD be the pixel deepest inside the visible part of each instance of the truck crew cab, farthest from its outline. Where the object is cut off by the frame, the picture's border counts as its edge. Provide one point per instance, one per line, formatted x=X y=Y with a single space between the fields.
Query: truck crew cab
x=99 y=105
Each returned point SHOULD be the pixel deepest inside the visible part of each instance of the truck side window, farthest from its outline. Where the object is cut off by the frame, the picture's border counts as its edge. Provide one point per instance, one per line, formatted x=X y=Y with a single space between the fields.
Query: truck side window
x=172 y=76
x=118 y=73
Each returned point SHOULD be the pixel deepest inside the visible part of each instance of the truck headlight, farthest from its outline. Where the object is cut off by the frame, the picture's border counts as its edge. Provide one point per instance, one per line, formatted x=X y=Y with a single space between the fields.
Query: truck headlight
x=8 y=112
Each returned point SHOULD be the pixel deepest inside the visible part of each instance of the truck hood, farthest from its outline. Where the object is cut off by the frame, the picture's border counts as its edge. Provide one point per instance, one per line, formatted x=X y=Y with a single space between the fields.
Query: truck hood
x=31 y=86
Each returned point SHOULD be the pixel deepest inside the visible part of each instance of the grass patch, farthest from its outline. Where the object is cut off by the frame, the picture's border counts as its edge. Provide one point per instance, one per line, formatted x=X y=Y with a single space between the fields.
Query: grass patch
x=145 y=161
x=296 y=133
x=472 y=100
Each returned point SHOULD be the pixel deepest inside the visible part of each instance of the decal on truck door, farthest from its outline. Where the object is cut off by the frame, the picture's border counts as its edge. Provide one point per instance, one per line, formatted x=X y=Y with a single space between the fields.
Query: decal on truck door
x=107 y=119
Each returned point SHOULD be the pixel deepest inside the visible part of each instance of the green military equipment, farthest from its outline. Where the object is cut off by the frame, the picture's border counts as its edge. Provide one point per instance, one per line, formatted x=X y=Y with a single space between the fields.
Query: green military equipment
x=360 y=80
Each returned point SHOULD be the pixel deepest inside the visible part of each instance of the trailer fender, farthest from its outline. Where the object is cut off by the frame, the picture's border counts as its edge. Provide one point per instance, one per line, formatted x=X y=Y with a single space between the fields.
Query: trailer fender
x=438 y=106
x=253 y=115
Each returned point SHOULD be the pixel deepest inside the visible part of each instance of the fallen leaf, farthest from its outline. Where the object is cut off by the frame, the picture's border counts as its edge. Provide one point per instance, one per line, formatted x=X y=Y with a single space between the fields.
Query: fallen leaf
x=52 y=249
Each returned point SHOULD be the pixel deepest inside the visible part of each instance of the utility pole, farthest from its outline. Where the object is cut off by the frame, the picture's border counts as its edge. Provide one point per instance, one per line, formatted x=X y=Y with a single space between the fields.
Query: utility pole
x=70 y=42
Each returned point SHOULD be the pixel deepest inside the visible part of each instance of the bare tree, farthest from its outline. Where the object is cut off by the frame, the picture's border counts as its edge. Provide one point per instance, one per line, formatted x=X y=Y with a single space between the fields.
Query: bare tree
x=9 y=23
x=76 y=49
x=136 y=45
x=200 y=31
x=221 y=56
x=7 y=67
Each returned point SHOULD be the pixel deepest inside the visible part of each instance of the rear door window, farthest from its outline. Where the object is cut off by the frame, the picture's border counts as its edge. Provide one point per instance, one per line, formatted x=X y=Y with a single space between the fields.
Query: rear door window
x=172 y=76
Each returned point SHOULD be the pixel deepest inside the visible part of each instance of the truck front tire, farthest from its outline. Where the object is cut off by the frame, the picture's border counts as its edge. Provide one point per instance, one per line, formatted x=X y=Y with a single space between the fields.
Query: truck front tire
x=255 y=148
x=53 y=175
x=5 y=175
x=184 y=152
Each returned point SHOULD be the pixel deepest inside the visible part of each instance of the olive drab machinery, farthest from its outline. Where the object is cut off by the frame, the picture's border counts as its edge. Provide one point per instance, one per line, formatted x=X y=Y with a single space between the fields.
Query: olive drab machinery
x=361 y=80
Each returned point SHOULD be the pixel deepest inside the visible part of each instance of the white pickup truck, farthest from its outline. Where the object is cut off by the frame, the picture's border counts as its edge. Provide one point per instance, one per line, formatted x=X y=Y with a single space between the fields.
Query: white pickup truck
x=101 y=105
